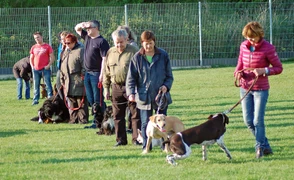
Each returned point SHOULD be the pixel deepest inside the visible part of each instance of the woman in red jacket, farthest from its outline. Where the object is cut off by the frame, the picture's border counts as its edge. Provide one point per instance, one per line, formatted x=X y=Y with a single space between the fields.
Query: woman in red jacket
x=257 y=58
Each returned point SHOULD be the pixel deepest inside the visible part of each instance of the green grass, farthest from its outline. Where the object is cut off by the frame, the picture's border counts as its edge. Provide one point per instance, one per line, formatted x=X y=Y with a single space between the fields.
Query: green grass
x=64 y=151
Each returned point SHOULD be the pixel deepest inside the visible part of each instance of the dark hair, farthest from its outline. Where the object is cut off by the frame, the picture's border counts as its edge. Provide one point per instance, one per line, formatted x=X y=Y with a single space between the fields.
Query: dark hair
x=72 y=38
x=95 y=24
x=147 y=36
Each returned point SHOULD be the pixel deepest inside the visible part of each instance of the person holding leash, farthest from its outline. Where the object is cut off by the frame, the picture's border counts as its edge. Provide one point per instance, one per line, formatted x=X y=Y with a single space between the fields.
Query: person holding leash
x=96 y=48
x=257 y=58
x=71 y=78
x=22 y=71
x=115 y=72
x=41 y=58
x=149 y=72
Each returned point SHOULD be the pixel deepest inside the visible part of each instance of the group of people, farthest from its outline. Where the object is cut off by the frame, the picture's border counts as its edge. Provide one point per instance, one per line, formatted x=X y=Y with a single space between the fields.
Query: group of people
x=132 y=77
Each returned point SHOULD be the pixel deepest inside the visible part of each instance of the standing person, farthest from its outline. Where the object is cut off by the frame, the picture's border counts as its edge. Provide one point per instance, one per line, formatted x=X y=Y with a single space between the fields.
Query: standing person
x=60 y=50
x=149 y=71
x=41 y=58
x=71 y=78
x=22 y=71
x=132 y=38
x=96 y=48
x=256 y=55
x=115 y=72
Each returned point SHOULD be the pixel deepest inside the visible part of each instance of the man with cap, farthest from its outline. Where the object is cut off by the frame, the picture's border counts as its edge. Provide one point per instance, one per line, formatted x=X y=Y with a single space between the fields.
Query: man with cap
x=95 y=51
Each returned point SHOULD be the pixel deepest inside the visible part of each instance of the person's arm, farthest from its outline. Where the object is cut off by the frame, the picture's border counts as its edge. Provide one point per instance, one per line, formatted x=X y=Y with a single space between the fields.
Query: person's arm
x=32 y=61
x=79 y=27
x=101 y=71
x=51 y=60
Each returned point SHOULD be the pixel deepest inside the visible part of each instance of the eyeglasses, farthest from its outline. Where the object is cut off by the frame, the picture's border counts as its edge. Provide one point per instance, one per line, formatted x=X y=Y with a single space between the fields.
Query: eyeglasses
x=67 y=43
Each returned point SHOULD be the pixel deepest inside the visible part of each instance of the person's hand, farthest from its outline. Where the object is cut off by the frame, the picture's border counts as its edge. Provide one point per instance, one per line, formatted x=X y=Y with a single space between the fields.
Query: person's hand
x=107 y=95
x=239 y=75
x=132 y=98
x=259 y=71
x=47 y=67
x=163 y=89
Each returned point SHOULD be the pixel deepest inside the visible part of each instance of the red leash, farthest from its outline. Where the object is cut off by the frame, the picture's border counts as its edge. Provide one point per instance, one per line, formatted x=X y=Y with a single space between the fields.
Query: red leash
x=100 y=86
x=65 y=102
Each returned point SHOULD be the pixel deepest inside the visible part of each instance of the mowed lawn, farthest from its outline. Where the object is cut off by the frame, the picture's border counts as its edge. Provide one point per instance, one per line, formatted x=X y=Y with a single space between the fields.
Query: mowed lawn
x=29 y=150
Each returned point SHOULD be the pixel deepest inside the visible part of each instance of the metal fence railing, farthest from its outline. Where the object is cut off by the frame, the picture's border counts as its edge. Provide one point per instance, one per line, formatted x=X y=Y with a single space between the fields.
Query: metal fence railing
x=194 y=34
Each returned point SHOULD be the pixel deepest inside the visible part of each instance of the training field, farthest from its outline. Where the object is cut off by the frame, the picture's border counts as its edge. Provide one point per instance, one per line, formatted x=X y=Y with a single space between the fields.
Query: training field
x=33 y=151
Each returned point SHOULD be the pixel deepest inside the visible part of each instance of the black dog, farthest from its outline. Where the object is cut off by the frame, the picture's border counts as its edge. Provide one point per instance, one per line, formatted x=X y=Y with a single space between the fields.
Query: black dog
x=205 y=134
x=53 y=110
x=107 y=126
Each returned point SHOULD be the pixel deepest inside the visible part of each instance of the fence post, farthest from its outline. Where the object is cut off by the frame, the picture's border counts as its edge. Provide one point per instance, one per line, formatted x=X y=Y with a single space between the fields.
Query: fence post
x=126 y=15
x=271 y=21
x=200 y=35
x=49 y=26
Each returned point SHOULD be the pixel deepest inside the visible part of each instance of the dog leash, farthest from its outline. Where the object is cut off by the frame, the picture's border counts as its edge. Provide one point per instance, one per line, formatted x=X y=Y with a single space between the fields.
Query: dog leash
x=65 y=102
x=238 y=85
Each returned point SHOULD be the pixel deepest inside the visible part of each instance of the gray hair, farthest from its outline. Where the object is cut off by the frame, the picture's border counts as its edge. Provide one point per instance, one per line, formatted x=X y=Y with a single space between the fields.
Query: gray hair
x=119 y=33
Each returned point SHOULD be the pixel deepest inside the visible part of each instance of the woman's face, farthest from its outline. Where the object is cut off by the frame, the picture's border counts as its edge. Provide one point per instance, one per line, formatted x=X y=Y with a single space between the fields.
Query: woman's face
x=148 y=46
x=69 y=44
x=253 y=40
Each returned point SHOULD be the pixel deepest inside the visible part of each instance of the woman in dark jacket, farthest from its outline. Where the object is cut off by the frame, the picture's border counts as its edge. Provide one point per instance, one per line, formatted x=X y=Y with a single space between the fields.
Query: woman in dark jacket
x=149 y=71
x=22 y=70
x=71 y=78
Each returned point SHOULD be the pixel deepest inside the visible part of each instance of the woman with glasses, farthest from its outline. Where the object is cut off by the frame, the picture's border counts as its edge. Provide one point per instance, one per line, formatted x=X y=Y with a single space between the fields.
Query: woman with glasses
x=257 y=58
x=72 y=80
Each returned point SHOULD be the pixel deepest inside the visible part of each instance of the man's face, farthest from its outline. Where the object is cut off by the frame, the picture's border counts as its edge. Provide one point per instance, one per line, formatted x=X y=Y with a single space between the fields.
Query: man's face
x=120 y=43
x=38 y=38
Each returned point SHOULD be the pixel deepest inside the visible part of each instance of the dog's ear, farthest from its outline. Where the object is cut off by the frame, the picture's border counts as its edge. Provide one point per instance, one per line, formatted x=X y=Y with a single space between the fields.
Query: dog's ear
x=226 y=119
x=152 y=118
x=210 y=117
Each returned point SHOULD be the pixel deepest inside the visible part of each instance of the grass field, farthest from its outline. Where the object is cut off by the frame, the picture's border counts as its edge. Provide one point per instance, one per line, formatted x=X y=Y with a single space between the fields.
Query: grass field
x=64 y=151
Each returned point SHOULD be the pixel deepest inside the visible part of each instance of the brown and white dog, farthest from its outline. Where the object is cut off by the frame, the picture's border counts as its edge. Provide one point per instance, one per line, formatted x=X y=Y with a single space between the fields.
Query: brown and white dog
x=161 y=126
x=107 y=125
x=205 y=134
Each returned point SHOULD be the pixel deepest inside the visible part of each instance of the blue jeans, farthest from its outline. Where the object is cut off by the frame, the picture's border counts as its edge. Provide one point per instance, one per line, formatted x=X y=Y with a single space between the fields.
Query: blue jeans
x=94 y=94
x=37 y=75
x=145 y=114
x=19 y=88
x=253 y=108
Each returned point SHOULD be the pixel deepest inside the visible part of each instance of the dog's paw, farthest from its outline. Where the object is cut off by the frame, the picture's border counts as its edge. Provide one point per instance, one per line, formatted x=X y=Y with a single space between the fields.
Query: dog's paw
x=171 y=160
x=40 y=121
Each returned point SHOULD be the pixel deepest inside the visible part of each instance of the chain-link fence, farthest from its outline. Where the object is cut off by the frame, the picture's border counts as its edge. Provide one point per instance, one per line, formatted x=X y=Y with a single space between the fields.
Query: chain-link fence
x=194 y=34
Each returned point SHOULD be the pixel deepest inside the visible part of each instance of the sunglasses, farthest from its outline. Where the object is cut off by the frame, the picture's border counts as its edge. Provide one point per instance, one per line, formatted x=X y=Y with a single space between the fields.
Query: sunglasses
x=67 y=43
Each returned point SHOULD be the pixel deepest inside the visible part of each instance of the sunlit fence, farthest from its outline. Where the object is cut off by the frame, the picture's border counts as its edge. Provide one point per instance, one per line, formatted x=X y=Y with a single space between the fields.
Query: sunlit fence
x=194 y=34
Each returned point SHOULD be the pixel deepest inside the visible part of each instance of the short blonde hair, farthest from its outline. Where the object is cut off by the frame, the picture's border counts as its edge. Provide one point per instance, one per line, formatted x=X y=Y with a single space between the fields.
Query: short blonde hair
x=253 y=29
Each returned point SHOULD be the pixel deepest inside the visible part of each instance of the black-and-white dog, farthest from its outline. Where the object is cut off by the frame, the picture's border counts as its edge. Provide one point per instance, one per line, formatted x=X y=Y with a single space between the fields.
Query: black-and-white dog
x=53 y=110
x=107 y=125
x=205 y=134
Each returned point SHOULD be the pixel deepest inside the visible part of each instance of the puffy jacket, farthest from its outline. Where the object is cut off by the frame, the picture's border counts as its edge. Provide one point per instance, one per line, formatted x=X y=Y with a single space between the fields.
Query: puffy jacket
x=263 y=56
x=145 y=79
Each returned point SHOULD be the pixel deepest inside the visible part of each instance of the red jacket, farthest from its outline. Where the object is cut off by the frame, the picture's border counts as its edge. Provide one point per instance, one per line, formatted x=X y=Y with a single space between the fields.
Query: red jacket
x=263 y=56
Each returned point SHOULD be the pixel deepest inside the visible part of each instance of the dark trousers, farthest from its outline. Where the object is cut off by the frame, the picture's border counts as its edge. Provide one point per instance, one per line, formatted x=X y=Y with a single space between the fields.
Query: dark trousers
x=119 y=104
x=135 y=119
x=78 y=115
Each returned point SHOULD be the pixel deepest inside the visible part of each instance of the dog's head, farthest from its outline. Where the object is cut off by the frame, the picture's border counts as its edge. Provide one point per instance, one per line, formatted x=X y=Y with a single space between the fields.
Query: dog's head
x=158 y=121
x=108 y=126
x=222 y=116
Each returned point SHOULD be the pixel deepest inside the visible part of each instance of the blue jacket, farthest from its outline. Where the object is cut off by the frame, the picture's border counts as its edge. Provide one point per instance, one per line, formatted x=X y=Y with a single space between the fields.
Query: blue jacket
x=145 y=79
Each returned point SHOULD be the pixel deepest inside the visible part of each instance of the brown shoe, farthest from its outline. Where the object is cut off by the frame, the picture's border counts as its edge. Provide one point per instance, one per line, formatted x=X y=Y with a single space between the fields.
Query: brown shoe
x=259 y=153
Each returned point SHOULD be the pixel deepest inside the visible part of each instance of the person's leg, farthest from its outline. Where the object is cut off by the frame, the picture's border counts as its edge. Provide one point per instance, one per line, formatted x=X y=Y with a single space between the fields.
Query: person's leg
x=72 y=113
x=47 y=79
x=27 y=90
x=37 y=78
x=135 y=121
x=88 y=87
x=19 y=88
x=119 y=108
x=97 y=91
x=248 y=110
x=145 y=114
x=260 y=100
x=83 y=112
x=58 y=83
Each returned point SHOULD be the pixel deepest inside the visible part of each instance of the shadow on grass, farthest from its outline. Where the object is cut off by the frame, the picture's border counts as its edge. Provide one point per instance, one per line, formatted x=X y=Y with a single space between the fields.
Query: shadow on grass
x=11 y=133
